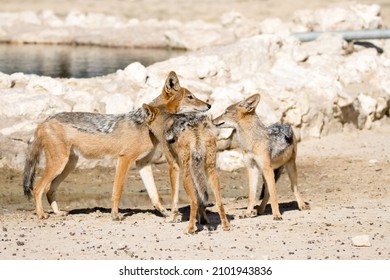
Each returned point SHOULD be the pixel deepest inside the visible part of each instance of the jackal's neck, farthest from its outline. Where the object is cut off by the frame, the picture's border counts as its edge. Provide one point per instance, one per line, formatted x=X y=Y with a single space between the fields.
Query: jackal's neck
x=249 y=122
x=249 y=130
x=159 y=124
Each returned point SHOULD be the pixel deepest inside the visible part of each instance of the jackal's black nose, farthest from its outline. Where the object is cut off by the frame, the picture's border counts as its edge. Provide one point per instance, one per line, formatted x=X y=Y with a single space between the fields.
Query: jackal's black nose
x=208 y=106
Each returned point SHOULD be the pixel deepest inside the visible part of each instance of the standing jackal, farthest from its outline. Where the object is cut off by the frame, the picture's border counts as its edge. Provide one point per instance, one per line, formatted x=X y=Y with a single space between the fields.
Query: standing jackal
x=268 y=148
x=189 y=146
x=62 y=137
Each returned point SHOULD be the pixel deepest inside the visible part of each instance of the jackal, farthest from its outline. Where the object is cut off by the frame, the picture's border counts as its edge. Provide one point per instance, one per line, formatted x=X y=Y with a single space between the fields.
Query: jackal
x=268 y=148
x=189 y=146
x=62 y=137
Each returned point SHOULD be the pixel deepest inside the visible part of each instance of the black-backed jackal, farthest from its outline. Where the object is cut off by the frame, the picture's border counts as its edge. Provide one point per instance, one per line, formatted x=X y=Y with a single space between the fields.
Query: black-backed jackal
x=190 y=147
x=62 y=137
x=267 y=148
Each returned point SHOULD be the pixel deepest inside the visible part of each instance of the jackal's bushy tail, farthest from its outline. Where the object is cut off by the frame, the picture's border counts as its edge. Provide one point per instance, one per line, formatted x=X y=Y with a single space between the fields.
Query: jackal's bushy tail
x=32 y=159
x=199 y=176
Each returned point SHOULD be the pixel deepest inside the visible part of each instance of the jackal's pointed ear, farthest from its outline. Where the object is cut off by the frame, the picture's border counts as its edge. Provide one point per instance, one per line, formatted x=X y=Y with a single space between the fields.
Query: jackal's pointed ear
x=150 y=112
x=172 y=84
x=251 y=102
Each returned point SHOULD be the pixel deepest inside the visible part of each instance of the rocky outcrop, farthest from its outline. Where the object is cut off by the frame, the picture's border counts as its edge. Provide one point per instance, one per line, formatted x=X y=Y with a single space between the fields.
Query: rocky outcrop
x=320 y=87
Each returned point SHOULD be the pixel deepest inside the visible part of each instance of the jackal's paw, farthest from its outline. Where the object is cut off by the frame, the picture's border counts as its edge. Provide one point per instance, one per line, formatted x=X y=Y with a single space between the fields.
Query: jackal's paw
x=43 y=216
x=164 y=212
x=173 y=218
x=226 y=227
x=116 y=217
x=277 y=218
x=304 y=206
x=248 y=214
x=61 y=213
x=190 y=230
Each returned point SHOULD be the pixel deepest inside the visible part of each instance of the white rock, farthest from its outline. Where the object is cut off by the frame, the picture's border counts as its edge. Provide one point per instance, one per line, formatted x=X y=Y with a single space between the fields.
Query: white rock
x=118 y=104
x=326 y=43
x=274 y=26
x=342 y=18
x=367 y=103
x=373 y=161
x=5 y=81
x=222 y=97
x=242 y=26
x=361 y=241
x=48 y=84
x=136 y=73
x=82 y=101
x=22 y=126
x=230 y=160
x=30 y=105
x=198 y=38
x=49 y=18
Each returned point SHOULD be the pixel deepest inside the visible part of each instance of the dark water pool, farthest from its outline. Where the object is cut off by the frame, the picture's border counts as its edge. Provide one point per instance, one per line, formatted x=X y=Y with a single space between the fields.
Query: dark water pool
x=59 y=61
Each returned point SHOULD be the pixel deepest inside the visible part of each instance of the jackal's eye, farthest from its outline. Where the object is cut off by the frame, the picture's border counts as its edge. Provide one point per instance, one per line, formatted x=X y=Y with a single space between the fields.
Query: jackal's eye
x=190 y=97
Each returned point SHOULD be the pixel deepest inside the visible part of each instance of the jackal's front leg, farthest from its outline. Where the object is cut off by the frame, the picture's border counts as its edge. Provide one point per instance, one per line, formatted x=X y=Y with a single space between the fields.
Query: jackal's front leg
x=120 y=176
x=253 y=179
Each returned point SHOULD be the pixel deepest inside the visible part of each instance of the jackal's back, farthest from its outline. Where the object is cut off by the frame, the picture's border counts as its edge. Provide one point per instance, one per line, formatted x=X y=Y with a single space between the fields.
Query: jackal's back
x=98 y=123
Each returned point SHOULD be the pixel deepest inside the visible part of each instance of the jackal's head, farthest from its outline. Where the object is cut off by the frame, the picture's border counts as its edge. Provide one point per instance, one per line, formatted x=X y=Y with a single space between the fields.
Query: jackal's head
x=179 y=99
x=236 y=113
x=186 y=102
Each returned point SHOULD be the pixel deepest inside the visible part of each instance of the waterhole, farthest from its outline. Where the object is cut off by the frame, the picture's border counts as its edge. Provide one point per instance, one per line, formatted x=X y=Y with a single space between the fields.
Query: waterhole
x=66 y=61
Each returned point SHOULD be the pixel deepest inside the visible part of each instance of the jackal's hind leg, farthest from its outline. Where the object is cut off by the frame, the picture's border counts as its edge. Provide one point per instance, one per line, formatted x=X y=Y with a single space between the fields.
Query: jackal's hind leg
x=265 y=199
x=56 y=159
x=145 y=170
x=174 y=176
x=216 y=187
x=51 y=194
x=292 y=174
x=269 y=178
x=146 y=174
x=192 y=196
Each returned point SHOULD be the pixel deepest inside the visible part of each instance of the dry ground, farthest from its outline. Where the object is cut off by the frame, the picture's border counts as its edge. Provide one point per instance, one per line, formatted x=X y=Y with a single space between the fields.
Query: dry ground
x=344 y=177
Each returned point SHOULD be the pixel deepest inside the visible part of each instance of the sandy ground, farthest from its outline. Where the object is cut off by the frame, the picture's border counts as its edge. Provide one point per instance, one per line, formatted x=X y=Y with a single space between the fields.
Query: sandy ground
x=344 y=177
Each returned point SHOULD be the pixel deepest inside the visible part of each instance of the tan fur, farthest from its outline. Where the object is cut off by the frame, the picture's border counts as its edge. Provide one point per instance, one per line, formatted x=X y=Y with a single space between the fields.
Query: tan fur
x=256 y=144
x=130 y=142
x=193 y=152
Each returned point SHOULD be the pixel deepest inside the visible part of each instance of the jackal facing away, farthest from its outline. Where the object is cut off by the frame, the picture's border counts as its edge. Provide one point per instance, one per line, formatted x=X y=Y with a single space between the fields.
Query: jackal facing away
x=189 y=146
x=62 y=137
x=267 y=148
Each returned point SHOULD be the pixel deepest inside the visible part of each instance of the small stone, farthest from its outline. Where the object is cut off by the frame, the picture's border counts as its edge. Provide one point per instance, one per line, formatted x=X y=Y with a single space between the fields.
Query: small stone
x=361 y=241
x=373 y=161
x=122 y=247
